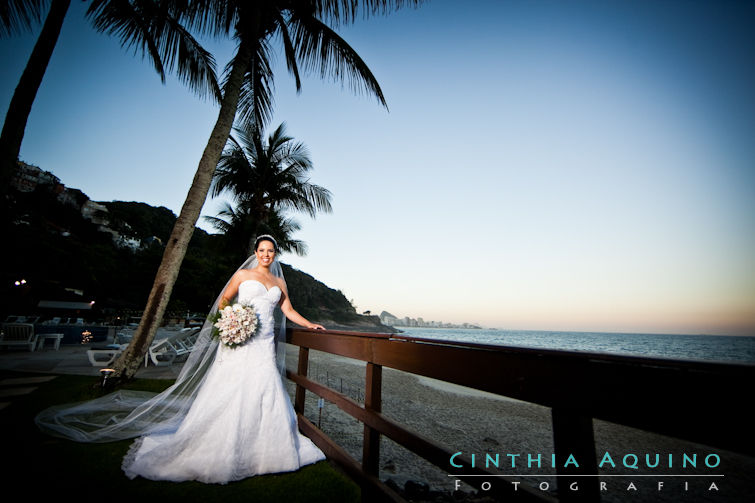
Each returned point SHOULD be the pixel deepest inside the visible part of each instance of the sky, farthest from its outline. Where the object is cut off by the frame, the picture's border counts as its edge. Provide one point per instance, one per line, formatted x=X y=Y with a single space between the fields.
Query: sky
x=542 y=165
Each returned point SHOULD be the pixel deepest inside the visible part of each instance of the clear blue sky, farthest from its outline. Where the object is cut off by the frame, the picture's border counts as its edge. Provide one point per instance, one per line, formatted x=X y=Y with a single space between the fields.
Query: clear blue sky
x=577 y=165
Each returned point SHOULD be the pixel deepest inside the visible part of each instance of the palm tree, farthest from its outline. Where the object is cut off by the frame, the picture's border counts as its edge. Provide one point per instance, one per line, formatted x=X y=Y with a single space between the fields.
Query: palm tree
x=17 y=16
x=147 y=25
x=302 y=27
x=264 y=178
x=240 y=227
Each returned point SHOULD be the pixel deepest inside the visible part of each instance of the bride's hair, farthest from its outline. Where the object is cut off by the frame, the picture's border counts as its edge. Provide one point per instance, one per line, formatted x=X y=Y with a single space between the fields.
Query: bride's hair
x=265 y=237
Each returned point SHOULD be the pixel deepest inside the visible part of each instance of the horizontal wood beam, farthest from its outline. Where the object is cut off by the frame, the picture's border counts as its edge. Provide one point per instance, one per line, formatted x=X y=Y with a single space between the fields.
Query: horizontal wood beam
x=433 y=452
x=369 y=483
x=653 y=394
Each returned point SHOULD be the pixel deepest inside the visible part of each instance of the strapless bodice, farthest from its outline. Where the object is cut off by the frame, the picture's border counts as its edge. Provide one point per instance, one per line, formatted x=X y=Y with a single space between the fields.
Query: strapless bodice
x=253 y=293
x=251 y=289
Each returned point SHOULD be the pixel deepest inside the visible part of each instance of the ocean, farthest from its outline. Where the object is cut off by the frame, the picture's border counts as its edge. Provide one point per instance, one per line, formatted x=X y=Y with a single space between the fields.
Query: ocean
x=721 y=348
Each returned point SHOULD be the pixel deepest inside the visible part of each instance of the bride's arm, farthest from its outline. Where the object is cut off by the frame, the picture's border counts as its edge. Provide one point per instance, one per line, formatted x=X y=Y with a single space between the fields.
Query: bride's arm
x=230 y=291
x=291 y=313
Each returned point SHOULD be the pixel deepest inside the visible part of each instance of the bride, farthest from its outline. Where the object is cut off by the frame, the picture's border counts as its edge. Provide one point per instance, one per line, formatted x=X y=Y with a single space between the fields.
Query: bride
x=227 y=416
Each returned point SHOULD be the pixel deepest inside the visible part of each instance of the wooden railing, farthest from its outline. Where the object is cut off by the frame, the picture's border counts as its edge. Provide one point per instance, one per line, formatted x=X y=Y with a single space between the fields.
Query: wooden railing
x=697 y=401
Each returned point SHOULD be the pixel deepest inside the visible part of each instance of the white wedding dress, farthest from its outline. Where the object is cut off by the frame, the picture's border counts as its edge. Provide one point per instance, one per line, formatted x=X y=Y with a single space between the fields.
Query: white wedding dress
x=240 y=424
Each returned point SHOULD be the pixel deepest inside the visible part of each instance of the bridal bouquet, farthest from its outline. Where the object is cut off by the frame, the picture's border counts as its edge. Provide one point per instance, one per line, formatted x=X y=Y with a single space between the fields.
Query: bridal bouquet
x=235 y=324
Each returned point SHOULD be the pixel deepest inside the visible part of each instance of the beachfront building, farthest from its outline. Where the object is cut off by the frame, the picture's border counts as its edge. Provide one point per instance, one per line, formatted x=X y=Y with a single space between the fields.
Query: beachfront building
x=388 y=319
x=27 y=177
x=95 y=212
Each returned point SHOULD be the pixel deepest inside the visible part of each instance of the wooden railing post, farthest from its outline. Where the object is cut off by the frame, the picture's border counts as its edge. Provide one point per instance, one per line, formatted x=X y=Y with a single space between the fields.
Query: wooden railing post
x=372 y=401
x=575 y=386
x=302 y=371
x=573 y=436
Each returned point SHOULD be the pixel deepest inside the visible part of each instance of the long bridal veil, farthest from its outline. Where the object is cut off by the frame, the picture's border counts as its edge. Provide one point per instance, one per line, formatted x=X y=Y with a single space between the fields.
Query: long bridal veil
x=127 y=414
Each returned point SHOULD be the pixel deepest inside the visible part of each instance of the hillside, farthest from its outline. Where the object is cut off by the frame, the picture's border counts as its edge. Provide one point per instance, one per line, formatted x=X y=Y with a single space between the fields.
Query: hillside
x=315 y=301
x=111 y=258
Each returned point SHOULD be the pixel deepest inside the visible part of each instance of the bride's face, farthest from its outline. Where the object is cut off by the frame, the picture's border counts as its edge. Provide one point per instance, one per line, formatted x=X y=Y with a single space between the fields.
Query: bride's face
x=265 y=253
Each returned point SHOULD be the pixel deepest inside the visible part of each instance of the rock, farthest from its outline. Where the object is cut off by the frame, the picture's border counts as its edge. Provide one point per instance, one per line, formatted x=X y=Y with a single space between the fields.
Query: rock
x=392 y=484
x=389 y=466
x=416 y=490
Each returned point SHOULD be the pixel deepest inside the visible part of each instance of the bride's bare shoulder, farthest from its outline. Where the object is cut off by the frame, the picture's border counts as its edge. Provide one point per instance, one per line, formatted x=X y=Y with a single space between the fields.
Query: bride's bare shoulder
x=281 y=283
x=244 y=274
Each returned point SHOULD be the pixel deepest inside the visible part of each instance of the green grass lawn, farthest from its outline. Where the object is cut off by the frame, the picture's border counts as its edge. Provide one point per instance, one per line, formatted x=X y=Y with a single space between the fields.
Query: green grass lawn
x=37 y=466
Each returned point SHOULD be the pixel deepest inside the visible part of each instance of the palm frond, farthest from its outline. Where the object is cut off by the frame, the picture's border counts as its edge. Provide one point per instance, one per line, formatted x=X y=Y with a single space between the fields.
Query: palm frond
x=220 y=223
x=216 y=18
x=289 y=51
x=193 y=64
x=337 y=12
x=283 y=228
x=256 y=99
x=123 y=20
x=322 y=49
x=232 y=162
x=19 y=16
x=153 y=28
x=320 y=197
x=268 y=178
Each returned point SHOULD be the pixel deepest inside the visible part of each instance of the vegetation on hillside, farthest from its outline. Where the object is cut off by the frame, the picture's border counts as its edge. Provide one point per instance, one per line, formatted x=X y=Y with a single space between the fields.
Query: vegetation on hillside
x=63 y=256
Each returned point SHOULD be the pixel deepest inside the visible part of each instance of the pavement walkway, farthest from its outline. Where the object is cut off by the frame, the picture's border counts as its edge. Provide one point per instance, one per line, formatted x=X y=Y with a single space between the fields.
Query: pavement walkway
x=70 y=359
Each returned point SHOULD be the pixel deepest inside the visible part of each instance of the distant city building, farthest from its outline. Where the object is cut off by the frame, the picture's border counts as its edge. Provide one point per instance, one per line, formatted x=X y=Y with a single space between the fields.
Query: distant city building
x=387 y=318
x=27 y=177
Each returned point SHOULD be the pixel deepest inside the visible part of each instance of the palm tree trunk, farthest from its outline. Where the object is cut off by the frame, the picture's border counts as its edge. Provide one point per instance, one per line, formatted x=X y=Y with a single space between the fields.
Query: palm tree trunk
x=26 y=90
x=175 y=250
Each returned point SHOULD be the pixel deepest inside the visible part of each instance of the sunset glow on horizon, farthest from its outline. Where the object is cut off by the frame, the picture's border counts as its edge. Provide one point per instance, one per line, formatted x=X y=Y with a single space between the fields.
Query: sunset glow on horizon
x=576 y=166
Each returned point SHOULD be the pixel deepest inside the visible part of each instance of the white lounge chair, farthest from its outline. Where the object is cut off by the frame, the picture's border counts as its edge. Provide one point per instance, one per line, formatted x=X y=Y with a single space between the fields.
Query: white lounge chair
x=161 y=352
x=18 y=334
x=104 y=357
x=123 y=336
x=56 y=337
x=185 y=341
x=164 y=351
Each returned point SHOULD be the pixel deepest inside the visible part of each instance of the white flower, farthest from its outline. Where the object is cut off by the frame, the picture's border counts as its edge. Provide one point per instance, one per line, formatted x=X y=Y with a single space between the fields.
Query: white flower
x=236 y=324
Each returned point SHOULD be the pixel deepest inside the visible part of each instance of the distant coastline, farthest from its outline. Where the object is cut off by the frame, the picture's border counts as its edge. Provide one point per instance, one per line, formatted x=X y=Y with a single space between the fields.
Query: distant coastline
x=406 y=322
x=722 y=348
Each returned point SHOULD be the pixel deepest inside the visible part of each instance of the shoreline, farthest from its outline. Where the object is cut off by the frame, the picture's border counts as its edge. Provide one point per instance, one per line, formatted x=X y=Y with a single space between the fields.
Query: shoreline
x=471 y=421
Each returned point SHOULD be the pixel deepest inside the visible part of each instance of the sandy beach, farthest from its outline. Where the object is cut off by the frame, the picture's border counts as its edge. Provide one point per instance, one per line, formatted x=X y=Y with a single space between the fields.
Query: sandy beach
x=476 y=422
